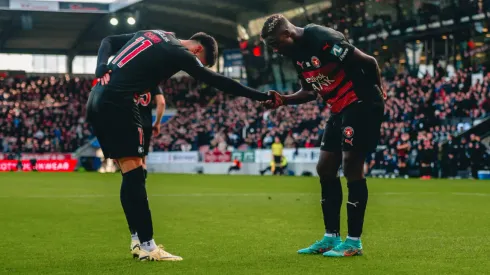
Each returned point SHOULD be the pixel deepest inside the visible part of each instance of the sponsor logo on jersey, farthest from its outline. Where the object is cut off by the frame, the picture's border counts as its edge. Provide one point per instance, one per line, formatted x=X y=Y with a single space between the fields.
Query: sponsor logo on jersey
x=344 y=54
x=348 y=132
x=337 y=50
x=316 y=62
x=144 y=99
x=326 y=47
x=349 y=141
x=318 y=81
x=301 y=64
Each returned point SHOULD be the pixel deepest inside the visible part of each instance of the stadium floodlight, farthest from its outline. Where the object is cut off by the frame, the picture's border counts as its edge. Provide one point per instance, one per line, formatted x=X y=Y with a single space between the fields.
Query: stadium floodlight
x=131 y=20
x=114 y=21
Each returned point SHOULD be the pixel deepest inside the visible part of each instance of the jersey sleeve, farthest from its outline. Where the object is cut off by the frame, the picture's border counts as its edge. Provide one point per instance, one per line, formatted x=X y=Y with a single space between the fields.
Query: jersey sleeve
x=332 y=44
x=191 y=65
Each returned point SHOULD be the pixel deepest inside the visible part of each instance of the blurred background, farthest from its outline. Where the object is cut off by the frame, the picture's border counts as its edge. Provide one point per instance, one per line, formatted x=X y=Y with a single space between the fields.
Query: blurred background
x=434 y=56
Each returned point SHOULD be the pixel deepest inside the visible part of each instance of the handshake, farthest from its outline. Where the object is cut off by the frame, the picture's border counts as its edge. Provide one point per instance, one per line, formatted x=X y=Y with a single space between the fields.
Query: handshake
x=275 y=100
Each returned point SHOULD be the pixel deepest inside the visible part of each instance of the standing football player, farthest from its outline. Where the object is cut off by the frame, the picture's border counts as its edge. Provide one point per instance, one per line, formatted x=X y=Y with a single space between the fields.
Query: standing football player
x=150 y=128
x=349 y=81
x=143 y=60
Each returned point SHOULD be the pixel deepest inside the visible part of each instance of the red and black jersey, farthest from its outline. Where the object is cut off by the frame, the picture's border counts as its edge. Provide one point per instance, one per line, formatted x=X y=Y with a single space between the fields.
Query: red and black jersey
x=319 y=63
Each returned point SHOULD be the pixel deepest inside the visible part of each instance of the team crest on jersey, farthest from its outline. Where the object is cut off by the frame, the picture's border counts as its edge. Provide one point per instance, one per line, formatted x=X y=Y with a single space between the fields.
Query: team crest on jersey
x=348 y=132
x=316 y=62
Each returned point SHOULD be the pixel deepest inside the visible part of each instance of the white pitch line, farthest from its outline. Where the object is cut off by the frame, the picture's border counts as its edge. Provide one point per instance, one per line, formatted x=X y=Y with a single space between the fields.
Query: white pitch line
x=471 y=194
x=162 y=195
x=237 y=195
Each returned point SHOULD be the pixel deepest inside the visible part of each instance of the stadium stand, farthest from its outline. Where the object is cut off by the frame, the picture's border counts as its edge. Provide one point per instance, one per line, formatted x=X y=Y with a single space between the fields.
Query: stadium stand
x=46 y=114
x=43 y=114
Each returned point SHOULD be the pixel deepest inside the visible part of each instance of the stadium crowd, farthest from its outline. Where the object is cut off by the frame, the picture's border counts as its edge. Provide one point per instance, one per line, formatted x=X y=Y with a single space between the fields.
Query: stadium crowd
x=421 y=115
x=43 y=114
x=46 y=114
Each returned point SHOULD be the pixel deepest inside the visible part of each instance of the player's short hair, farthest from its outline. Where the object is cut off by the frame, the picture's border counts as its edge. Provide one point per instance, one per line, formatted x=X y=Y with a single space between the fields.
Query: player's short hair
x=210 y=47
x=273 y=23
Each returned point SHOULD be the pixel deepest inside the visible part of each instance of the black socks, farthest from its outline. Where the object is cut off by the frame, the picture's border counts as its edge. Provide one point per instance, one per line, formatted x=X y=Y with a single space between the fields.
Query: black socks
x=331 y=204
x=134 y=201
x=356 y=207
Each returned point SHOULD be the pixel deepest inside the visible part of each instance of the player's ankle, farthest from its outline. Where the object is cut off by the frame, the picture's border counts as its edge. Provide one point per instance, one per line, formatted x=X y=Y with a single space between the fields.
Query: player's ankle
x=134 y=237
x=149 y=245
x=354 y=238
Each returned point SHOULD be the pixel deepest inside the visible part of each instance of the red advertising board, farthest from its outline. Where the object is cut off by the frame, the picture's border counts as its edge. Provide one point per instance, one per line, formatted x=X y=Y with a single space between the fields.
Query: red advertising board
x=41 y=165
x=46 y=156
x=217 y=156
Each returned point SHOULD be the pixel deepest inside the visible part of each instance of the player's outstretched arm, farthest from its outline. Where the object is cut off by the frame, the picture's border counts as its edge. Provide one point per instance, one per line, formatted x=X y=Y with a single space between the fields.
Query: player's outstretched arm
x=109 y=46
x=300 y=97
x=191 y=65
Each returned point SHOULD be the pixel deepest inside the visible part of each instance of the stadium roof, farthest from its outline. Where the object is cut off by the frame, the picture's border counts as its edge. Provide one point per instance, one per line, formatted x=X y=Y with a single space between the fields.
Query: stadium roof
x=80 y=33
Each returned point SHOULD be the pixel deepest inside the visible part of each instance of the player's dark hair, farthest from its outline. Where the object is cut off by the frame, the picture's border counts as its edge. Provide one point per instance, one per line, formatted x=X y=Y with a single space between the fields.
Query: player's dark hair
x=210 y=47
x=272 y=23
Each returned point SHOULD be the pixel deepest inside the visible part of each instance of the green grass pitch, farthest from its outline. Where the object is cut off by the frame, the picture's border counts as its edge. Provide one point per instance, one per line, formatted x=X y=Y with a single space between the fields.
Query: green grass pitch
x=74 y=224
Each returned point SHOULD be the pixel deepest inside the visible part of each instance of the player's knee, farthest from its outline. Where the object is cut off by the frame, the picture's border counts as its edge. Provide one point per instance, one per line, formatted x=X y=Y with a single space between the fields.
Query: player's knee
x=130 y=163
x=326 y=171
x=132 y=182
x=353 y=167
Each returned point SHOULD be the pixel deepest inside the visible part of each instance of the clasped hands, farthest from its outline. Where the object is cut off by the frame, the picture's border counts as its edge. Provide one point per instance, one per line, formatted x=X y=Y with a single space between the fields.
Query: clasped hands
x=275 y=100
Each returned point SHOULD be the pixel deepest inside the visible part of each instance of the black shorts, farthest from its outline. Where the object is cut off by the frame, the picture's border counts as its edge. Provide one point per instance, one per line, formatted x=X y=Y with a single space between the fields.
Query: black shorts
x=116 y=123
x=278 y=159
x=356 y=128
x=147 y=133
